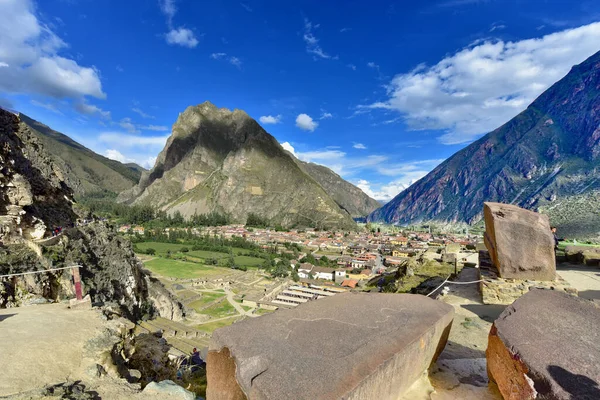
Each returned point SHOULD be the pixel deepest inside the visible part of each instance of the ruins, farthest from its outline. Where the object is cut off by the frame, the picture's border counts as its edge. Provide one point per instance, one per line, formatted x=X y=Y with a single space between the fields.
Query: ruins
x=352 y=345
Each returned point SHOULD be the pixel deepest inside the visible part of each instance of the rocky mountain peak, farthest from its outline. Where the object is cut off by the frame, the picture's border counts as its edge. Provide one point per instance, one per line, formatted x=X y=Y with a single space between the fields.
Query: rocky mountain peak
x=539 y=159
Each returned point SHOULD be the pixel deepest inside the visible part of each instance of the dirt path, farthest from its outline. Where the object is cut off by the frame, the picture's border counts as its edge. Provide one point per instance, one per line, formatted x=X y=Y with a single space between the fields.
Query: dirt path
x=585 y=279
x=42 y=345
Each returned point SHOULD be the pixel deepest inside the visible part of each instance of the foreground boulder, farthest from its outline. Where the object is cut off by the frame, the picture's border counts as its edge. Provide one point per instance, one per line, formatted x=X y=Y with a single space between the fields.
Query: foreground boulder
x=546 y=345
x=352 y=346
x=520 y=243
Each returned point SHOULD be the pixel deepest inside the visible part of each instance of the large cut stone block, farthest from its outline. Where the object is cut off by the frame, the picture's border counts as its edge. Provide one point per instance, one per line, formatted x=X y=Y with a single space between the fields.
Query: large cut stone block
x=546 y=345
x=520 y=243
x=351 y=346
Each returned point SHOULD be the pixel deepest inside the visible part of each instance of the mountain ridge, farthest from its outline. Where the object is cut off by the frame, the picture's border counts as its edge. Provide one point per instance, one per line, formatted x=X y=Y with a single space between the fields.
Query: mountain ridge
x=86 y=172
x=218 y=160
x=546 y=153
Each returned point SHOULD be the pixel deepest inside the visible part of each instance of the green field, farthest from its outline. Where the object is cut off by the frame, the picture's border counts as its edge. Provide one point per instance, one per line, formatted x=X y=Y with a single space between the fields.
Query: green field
x=206 y=299
x=200 y=255
x=211 y=326
x=181 y=269
x=220 y=309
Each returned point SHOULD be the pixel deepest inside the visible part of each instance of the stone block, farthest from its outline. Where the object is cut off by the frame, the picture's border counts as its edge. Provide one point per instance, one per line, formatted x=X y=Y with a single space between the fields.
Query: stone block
x=168 y=390
x=84 y=304
x=545 y=345
x=351 y=346
x=519 y=241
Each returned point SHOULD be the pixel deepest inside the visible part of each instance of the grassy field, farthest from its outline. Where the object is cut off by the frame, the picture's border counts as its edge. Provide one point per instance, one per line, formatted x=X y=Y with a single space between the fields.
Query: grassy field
x=181 y=269
x=220 y=309
x=206 y=299
x=562 y=245
x=200 y=255
x=211 y=326
x=262 y=311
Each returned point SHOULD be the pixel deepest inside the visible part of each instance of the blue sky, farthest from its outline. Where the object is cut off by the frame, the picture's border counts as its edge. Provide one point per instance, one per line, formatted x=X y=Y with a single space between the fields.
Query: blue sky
x=379 y=91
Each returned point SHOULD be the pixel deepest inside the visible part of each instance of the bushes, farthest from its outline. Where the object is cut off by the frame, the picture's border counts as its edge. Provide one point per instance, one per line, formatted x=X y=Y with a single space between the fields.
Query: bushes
x=150 y=251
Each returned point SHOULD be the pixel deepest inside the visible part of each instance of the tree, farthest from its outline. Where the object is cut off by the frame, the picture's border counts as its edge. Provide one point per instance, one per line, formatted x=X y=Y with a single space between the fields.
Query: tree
x=150 y=251
x=280 y=271
x=184 y=250
x=295 y=276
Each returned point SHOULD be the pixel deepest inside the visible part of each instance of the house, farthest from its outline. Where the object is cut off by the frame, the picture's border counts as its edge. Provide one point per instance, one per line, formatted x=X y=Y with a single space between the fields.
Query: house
x=139 y=230
x=402 y=252
x=351 y=283
x=358 y=264
x=393 y=261
x=323 y=273
x=399 y=241
x=305 y=271
x=124 y=228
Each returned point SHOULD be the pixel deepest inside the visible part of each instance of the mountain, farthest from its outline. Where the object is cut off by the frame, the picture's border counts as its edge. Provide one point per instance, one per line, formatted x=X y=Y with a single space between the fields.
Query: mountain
x=85 y=171
x=217 y=160
x=35 y=199
x=348 y=196
x=538 y=160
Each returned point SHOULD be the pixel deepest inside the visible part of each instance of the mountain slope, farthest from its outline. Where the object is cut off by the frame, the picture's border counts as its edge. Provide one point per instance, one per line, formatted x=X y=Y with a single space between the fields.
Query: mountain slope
x=85 y=171
x=542 y=157
x=224 y=161
x=348 y=196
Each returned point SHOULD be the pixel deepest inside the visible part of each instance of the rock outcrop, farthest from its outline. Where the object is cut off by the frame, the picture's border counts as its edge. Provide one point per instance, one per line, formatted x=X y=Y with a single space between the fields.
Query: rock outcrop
x=542 y=158
x=545 y=346
x=34 y=198
x=217 y=160
x=33 y=194
x=324 y=350
x=519 y=242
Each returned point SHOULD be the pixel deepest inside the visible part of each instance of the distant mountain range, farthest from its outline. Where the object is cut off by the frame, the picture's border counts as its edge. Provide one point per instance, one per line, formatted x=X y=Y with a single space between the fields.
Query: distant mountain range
x=217 y=160
x=85 y=172
x=547 y=158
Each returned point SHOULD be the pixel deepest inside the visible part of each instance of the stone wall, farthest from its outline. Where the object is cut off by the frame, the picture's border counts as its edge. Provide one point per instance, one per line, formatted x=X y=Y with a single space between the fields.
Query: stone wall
x=497 y=290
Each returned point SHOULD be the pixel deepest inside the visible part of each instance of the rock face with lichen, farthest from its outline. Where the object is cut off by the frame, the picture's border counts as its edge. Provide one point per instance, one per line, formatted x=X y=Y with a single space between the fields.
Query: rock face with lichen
x=217 y=160
x=35 y=197
x=33 y=194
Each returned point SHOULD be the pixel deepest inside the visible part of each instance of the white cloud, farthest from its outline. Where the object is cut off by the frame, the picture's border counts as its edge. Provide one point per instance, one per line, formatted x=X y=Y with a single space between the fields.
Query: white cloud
x=169 y=9
x=123 y=140
x=497 y=27
x=144 y=161
x=269 y=119
x=156 y=128
x=305 y=122
x=232 y=60
x=119 y=68
x=126 y=124
x=235 y=61
x=246 y=7
x=31 y=63
x=217 y=56
x=326 y=115
x=352 y=67
x=182 y=36
x=359 y=146
x=90 y=109
x=373 y=65
x=47 y=106
x=142 y=114
x=481 y=87
x=4 y=65
x=345 y=30
x=117 y=156
x=287 y=146
x=312 y=43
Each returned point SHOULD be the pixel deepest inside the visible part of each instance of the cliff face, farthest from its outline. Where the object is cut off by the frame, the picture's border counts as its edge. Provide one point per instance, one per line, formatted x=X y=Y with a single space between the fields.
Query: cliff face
x=348 y=196
x=221 y=160
x=538 y=160
x=34 y=198
x=33 y=194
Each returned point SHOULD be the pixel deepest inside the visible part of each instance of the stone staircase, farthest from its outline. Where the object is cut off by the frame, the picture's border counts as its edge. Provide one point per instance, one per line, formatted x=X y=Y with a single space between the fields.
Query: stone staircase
x=181 y=337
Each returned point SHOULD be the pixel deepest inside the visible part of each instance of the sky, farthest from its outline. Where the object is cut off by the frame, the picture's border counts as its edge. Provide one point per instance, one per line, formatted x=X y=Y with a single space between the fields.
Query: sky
x=379 y=91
